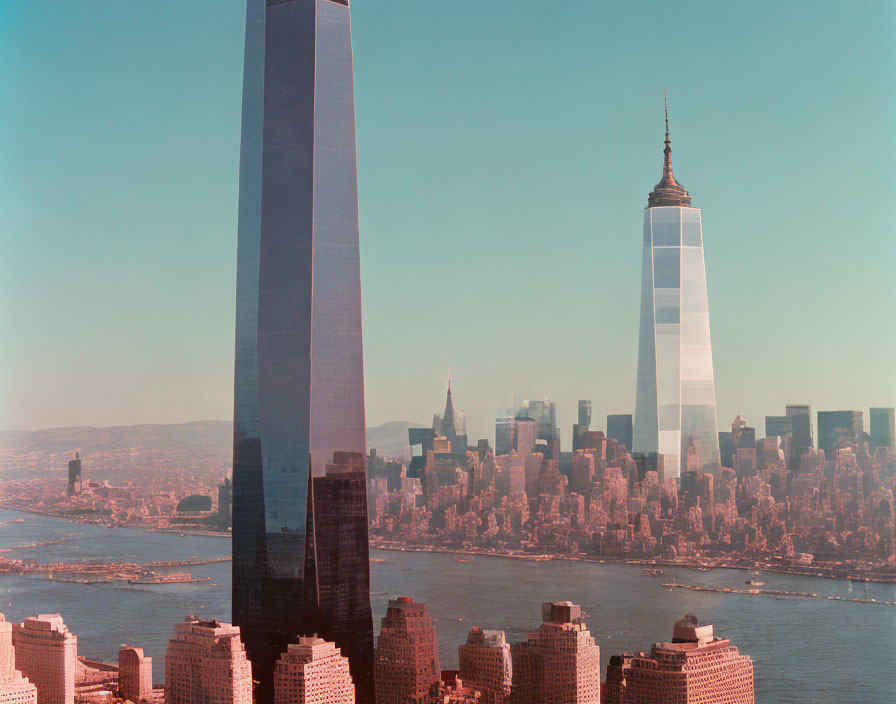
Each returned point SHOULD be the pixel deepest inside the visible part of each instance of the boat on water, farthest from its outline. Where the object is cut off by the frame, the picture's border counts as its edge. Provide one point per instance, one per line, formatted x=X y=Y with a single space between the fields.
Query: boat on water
x=653 y=571
x=460 y=559
x=755 y=581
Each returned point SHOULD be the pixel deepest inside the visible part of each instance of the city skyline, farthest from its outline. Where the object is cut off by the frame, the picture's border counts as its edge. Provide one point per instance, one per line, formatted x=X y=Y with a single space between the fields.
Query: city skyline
x=108 y=332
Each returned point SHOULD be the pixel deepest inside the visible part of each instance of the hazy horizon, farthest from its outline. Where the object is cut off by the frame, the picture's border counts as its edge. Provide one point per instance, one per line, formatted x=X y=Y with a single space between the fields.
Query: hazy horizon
x=505 y=153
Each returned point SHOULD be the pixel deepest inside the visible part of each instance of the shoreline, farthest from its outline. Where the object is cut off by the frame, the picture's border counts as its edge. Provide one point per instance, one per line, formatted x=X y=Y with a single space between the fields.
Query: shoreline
x=849 y=575
x=642 y=562
x=146 y=527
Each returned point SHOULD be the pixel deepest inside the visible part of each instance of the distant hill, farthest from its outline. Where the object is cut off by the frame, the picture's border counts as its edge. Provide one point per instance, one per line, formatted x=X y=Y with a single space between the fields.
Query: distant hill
x=124 y=452
x=391 y=439
x=203 y=436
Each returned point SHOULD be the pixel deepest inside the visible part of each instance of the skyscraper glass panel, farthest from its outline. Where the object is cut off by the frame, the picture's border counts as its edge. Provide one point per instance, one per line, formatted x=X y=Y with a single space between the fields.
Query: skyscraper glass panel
x=675 y=393
x=298 y=386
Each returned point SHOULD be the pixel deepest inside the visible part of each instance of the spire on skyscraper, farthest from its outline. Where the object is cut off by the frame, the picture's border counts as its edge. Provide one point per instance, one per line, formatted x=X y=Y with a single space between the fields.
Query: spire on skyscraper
x=668 y=191
x=448 y=419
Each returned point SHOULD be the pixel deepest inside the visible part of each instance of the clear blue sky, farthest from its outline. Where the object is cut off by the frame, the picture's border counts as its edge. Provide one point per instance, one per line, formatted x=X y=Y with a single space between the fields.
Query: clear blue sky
x=505 y=153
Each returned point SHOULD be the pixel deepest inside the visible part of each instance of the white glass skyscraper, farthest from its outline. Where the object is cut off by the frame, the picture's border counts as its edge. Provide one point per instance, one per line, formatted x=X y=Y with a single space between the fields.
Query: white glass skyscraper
x=675 y=400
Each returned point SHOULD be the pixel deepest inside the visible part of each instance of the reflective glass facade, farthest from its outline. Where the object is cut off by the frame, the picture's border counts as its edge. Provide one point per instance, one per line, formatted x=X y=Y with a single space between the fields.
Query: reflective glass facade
x=883 y=428
x=298 y=387
x=675 y=395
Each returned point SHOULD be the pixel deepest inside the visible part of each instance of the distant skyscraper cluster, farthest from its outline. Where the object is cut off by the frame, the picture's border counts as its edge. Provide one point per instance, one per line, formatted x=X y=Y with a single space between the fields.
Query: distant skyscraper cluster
x=775 y=496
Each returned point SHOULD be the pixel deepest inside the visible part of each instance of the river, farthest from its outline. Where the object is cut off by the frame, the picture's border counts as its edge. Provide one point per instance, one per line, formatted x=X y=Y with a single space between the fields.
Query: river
x=803 y=650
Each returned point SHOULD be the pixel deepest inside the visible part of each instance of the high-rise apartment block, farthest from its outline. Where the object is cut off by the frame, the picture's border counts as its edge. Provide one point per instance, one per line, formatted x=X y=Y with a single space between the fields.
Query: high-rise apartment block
x=558 y=663
x=484 y=664
x=883 y=428
x=675 y=396
x=46 y=653
x=313 y=671
x=134 y=674
x=407 y=654
x=838 y=429
x=206 y=663
x=695 y=668
x=298 y=383
x=14 y=687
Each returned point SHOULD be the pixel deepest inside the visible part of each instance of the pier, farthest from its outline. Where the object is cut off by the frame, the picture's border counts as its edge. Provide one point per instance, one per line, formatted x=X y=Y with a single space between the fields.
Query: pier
x=775 y=592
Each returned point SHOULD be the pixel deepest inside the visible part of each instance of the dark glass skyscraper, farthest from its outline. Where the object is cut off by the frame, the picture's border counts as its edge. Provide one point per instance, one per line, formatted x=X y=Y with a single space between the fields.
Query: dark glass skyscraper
x=883 y=428
x=299 y=387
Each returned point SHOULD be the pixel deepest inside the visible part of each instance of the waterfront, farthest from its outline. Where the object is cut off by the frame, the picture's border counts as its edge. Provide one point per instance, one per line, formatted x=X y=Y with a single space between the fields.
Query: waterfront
x=804 y=650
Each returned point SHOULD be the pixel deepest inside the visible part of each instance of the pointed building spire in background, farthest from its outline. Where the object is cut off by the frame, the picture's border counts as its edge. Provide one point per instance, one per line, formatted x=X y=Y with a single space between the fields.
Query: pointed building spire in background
x=448 y=424
x=668 y=191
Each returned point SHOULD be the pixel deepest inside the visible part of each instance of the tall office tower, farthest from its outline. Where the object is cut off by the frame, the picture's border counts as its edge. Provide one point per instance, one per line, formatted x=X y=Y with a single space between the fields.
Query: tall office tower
x=505 y=427
x=484 y=664
x=619 y=428
x=801 y=424
x=298 y=382
x=451 y=425
x=803 y=438
x=778 y=426
x=695 y=668
x=407 y=653
x=206 y=663
x=584 y=414
x=675 y=398
x=337 y=589
x=883 y=428
x=225 y=503
x=558 y=663
x=584 y=424
x=14 y=688
x=727 y=449
x=134 y=674
x=74 y=475
x=313 y=671
x=47 y=654
x=839 y=429
x=547 y=435
x=514 y=434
